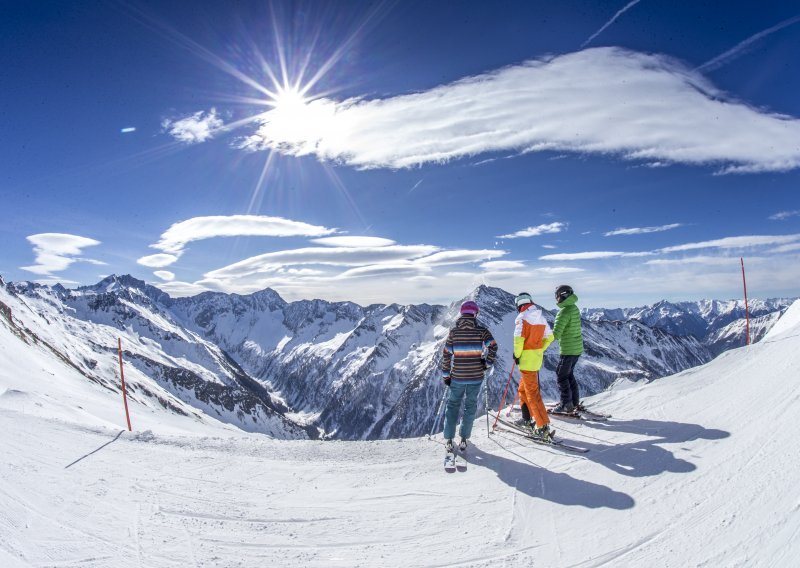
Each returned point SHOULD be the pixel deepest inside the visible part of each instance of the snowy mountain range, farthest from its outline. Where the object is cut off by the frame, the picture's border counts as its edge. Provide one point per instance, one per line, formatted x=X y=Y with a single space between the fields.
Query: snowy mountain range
x=719 y=324
x=316 y=368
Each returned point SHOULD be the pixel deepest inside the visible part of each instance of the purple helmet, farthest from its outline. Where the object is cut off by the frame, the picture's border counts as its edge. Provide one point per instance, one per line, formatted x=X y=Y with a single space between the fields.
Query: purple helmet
x=470 y=308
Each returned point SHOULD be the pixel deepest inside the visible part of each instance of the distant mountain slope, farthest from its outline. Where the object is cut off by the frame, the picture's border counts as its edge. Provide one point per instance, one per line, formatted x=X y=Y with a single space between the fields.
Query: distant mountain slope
x=714 y=322
x=167 y=364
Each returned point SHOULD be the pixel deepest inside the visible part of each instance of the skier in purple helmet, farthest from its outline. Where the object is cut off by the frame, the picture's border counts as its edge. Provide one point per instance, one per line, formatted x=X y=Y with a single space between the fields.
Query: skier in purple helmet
x=469 y=350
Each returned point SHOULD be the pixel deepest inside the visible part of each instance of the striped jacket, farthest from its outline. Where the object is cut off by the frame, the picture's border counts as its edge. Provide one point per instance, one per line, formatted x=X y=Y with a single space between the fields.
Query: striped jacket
x=464 y=349
x=532 y=336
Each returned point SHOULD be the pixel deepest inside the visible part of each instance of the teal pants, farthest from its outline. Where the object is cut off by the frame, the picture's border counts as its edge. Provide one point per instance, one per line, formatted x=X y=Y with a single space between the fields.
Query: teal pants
x=468 y=392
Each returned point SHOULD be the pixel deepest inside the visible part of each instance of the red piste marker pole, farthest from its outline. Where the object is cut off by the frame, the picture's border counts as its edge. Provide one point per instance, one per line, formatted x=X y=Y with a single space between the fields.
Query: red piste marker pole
x=746 y=308
x=122 y=376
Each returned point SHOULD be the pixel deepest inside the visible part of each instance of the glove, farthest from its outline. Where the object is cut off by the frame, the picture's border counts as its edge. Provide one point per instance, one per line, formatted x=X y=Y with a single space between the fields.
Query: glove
x=483 y=364
x=516 y=360
x=447 y=381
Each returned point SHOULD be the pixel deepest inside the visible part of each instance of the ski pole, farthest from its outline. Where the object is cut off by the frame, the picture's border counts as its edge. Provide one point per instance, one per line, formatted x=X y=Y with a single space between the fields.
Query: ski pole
x=486 y=399
x=438 y=410
x=513 y=404
x=505 y=392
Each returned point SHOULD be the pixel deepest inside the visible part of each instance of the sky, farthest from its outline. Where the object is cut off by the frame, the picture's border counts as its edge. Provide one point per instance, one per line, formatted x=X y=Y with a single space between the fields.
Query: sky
x=404 y=151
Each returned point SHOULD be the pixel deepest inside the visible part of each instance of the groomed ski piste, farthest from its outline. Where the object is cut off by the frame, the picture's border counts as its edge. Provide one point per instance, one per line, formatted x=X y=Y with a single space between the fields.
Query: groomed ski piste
x=697 y=469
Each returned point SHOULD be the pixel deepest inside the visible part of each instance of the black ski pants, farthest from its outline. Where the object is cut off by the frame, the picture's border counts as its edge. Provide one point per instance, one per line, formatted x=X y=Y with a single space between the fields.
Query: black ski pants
x=566 y=380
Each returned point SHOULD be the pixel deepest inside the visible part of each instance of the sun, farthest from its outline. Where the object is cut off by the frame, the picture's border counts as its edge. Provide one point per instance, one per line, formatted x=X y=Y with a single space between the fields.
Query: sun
x=288 y=101
x=297 y=121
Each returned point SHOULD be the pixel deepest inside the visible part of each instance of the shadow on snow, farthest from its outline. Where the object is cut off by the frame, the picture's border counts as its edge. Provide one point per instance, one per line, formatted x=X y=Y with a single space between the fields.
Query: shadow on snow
x=542 y=483
x=642 y=458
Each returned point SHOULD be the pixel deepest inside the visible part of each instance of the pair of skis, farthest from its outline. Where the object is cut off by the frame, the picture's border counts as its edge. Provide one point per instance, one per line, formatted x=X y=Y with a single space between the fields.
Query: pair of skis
x=508 y=426
x=581 y=413
x=455 y=460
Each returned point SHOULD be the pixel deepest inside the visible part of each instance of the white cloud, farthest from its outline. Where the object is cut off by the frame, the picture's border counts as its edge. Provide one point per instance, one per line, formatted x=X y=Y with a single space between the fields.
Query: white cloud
x=703 y=260
x=643 y=230
x=536 y=231
x=194 y=128
x=592 y=255
x=502 y=265
x=600 y=101
x=180 y=234
x=459 y=257
x=174 y=240
x=57 y=251
x=178 y=289
x=725 y=243
x=157 y=260
x=331 y=256
x=786 y=248
x=783 y=215
x=387 y=269
x=502 y=275
x=165 y=275
x=56 y=280
x=735 y=242
x=548 y=246
x=353 y=241
x=560 y=269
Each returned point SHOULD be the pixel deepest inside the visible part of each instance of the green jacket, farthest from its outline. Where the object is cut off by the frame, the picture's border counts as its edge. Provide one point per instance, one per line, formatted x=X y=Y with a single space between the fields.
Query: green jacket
x=567 y=327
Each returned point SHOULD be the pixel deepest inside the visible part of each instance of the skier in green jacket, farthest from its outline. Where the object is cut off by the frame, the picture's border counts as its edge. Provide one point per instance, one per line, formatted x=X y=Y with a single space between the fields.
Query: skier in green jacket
x=567 y=330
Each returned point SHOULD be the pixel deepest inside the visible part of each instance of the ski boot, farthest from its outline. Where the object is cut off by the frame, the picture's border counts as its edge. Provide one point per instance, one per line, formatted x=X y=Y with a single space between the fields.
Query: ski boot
x=564 y=408
x=544 y=433
x=462 y=445
x=522 y=423
x=449 y=446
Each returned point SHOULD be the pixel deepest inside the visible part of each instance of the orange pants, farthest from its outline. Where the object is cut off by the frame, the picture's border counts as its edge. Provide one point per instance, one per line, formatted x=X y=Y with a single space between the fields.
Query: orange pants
x=529 y=395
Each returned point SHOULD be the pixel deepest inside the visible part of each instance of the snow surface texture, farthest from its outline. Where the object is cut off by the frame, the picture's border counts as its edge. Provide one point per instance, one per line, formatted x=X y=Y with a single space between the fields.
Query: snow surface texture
x=309 y=368
x=686 y=473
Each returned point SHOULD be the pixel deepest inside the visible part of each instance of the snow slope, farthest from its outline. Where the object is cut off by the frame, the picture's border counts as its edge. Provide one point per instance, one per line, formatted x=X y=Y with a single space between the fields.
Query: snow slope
x=688 y=473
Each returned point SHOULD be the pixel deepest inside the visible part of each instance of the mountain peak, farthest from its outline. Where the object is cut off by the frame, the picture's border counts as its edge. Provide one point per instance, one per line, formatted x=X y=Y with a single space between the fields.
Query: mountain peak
x=489 y=294
x=117 y=284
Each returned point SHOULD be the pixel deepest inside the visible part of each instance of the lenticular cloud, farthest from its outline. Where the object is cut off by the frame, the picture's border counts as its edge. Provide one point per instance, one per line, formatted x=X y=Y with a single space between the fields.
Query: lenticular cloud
x=602 y=101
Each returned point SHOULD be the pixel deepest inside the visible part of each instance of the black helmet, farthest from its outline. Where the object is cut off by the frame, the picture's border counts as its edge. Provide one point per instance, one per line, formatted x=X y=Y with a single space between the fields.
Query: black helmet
x=563 y=292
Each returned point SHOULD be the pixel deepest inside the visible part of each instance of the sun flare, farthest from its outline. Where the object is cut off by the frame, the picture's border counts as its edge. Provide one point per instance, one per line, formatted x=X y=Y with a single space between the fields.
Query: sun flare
x=289 y=101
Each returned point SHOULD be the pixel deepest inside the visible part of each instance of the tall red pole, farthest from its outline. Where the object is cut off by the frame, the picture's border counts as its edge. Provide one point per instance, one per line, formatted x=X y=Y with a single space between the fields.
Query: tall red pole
x=122 y=376
x=746 y=308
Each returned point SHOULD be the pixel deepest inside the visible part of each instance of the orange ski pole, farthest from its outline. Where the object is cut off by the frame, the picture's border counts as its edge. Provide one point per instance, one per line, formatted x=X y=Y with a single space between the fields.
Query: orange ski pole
x=505 y=392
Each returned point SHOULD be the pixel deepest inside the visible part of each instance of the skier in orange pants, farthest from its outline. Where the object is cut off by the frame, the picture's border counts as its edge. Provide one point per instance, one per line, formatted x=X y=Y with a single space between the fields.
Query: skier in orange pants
x=532 y=335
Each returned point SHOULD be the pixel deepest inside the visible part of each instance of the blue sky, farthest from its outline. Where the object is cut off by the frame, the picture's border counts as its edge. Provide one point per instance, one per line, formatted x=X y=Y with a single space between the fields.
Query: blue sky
x=405 y=151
